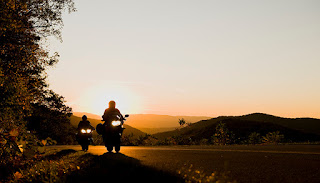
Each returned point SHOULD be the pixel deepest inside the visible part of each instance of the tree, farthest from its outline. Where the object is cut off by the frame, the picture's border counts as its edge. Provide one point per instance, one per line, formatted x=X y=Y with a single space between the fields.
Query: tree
x=254 y=138
x=273 y=137
x=182 y=122
x=49 y=118
x=25 y=24
x=222 y=135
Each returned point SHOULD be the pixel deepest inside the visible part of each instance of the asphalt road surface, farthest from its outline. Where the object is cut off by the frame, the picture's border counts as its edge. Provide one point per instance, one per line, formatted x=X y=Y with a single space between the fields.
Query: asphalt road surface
x=277 y=163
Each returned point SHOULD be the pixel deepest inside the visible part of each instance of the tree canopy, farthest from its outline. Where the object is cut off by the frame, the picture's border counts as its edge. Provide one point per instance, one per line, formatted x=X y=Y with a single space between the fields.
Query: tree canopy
x=24 y=26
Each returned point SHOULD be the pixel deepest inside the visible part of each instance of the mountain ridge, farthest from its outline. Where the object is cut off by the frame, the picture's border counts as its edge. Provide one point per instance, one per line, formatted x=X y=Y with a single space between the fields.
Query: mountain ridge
x=154 y=123
x=305 y=124
x=295 y=129
x=151 y=123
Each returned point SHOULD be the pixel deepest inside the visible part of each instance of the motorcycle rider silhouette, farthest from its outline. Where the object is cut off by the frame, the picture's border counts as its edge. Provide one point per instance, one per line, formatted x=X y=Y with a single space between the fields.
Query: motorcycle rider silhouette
x=84 y=133
x=111 y=113
x=84 y=123
x=112 y=128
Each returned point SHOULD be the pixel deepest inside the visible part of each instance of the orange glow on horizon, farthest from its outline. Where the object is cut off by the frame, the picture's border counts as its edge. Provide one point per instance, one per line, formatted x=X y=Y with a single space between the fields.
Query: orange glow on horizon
x=97 y=99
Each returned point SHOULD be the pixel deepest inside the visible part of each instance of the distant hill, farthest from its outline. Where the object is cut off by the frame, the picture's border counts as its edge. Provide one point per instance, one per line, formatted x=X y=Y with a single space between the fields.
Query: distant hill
x=242 y=126
x=156 y=130
x=308 y=125
x=151 y=123
x=94 y=122
x=89 y=115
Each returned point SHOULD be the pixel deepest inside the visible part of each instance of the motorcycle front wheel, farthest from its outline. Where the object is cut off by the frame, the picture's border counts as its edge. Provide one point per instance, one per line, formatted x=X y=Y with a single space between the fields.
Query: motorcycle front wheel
x=109 y=148
x=85 y=147
x=117 y=148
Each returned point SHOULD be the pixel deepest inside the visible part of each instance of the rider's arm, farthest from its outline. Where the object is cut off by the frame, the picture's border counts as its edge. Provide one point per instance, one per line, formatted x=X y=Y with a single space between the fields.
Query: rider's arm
x=79 y=125
x=104 y=116
x=89 y=124
x=119 y=113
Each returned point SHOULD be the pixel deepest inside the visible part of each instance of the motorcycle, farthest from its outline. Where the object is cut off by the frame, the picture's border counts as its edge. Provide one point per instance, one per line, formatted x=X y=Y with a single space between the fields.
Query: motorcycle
x=84 y=138
x=111 y=132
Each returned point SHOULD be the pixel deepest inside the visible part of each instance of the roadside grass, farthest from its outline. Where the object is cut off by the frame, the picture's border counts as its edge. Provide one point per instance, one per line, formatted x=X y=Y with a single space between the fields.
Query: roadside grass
x=53 y=166
x=191 y=175
x=303 y=143
x=78 y=166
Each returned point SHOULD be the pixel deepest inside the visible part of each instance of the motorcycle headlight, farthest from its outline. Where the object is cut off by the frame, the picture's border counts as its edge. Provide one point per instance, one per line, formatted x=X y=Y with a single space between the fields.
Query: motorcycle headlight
x=116 y=123
x=88 y=130
x=83 y=131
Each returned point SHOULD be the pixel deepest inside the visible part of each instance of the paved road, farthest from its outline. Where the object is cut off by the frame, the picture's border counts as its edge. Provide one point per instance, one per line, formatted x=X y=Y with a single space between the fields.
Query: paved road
x=287 y=163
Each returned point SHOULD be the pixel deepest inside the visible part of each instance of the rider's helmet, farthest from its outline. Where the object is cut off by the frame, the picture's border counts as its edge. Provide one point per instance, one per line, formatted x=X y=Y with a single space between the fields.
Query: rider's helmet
x=112 y=104
x=84 y=117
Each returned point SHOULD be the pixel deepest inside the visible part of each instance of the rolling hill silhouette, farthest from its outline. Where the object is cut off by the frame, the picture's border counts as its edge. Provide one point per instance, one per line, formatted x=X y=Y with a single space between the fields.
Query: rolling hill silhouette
x=151 y=123
x=296 y=130
x=308 y=125
x=89 y=115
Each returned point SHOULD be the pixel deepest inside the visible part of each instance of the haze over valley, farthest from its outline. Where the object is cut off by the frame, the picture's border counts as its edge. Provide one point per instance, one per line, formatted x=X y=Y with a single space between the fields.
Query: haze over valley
x=151 y=123
x=164 y=126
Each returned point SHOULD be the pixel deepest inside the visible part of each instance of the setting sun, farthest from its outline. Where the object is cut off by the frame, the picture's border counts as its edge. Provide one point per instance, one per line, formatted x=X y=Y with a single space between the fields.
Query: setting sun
x=97 y=98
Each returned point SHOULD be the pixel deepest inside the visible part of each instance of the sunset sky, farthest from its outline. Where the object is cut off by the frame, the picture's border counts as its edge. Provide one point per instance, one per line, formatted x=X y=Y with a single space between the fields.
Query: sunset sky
x=183 y=57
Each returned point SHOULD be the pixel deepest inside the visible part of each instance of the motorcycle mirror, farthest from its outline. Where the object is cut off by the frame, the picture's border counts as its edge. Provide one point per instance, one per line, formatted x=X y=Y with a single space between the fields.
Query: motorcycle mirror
x=127 y=115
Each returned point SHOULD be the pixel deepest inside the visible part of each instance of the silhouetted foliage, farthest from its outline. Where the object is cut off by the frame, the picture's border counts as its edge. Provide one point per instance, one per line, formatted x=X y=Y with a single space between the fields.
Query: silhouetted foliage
x=222 y=135
x=23 y=61
x=273 y=137
x=204 y=141
x=127 y=140
x=49 y=118
x=241 y=129
x=182 y=122
x=22 y=58
x=254 y=138
x=147 y=140
x=168 y=141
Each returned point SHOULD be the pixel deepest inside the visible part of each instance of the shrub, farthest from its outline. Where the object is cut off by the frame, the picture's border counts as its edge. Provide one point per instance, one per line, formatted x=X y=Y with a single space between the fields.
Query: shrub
x=254 y=138
x=222 y=135
x=127 y=140
x=204 y=142
x=168 y=141
x=147 y=140
x=273 y=137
